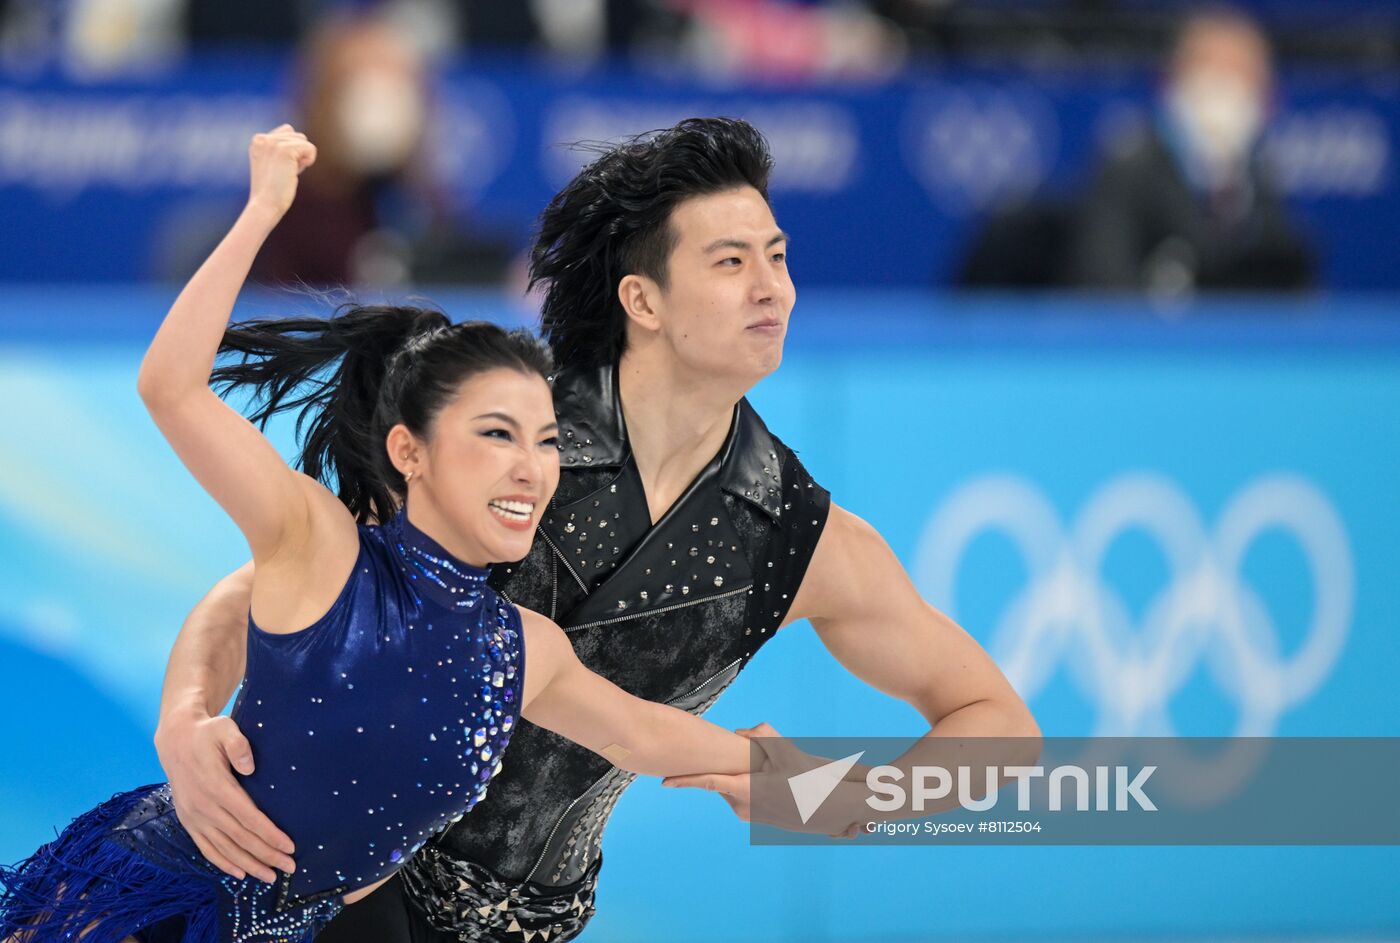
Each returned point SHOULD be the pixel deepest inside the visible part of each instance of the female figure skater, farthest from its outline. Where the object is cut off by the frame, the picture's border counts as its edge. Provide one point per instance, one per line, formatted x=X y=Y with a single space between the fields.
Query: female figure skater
x=384 y=675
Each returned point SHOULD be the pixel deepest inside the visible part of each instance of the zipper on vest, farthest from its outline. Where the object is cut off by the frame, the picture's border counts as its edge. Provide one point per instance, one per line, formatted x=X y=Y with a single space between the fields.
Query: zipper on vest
x=565 y=560
x=652 y=612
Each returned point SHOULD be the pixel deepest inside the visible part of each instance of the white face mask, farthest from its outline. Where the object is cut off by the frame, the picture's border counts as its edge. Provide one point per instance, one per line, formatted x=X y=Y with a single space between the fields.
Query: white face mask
x=1220 y=114
x=381 y=117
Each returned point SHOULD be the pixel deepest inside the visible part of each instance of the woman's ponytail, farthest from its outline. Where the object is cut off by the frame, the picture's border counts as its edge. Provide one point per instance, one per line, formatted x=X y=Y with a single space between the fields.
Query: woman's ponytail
x=344 y=413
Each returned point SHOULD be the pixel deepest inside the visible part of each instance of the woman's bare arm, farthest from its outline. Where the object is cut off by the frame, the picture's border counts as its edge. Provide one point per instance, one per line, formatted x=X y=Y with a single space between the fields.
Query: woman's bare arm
x=297 y=530
x=640 y=736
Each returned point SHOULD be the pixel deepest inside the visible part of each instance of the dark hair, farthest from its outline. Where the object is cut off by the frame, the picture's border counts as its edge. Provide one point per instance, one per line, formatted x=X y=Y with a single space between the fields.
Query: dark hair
x=612 y=220
x=391 y=364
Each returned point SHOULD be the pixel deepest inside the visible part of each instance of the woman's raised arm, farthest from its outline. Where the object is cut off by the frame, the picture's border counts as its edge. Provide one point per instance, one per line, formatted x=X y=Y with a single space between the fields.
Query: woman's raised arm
x=227 y=454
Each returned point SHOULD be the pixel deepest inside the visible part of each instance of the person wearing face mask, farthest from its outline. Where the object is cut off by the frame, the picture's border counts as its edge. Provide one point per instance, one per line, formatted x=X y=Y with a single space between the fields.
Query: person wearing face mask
x=370 y=213
x=1185 y=204
x=363 y=97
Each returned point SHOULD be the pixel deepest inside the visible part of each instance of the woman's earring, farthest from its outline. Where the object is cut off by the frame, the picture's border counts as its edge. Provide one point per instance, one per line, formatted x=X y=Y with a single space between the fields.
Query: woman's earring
x=408 y=476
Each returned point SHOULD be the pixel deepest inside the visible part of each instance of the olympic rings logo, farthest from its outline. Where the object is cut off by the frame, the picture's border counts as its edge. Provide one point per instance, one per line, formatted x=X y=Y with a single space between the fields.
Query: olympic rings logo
x=1068 y=613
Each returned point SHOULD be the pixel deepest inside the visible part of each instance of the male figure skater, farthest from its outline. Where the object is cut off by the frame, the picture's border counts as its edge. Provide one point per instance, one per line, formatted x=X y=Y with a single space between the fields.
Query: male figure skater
x=682 y=536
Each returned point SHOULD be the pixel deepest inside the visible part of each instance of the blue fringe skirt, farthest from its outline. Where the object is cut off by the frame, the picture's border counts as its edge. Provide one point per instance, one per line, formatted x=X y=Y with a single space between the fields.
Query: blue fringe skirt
x=128 y=868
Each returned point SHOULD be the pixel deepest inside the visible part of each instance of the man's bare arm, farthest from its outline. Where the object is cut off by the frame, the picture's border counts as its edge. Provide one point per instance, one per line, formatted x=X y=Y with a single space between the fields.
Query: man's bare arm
x=869 y=615
x=206 y=663
x=199 y=748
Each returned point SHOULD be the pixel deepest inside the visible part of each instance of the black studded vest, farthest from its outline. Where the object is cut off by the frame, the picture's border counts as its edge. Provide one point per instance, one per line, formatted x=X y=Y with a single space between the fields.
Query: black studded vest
x=670 y=613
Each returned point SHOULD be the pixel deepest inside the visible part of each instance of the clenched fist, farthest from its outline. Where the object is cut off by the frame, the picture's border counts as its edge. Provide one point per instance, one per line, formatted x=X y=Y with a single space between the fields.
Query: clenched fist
x=275 y=160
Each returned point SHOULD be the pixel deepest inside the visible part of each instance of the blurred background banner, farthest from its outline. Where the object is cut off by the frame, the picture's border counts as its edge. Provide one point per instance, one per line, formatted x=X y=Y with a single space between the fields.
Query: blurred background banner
x=1096 y=323
x=884 y=183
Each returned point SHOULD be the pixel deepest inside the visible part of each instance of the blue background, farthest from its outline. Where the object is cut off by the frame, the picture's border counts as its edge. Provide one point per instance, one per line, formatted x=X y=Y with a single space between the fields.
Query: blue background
x=896 y=401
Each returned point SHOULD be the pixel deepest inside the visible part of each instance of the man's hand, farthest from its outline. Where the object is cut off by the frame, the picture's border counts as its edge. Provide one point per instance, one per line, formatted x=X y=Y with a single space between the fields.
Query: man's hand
x=782 y=760
x=199 y=754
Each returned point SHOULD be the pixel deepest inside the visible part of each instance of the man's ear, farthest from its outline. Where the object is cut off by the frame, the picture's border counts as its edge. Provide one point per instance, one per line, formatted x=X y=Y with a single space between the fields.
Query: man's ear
x=640 y=298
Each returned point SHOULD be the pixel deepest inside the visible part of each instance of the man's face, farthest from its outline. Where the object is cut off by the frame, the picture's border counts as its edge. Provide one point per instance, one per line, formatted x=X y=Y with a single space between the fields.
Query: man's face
x=728 y=297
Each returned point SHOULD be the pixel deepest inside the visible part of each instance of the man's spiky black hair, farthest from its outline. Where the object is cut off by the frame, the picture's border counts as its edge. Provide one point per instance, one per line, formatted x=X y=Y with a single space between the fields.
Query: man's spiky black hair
x=613 y=220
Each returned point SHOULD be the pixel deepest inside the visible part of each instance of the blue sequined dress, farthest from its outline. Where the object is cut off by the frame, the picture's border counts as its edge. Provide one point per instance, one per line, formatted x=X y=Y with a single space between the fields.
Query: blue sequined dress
x=372 y=730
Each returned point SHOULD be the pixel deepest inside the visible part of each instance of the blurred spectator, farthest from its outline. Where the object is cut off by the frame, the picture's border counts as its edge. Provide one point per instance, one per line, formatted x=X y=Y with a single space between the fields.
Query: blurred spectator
x=109 y=36
x=369 y=212
x=1186 y=204
x=770 y=38
x=579 y=31
x=785 y=39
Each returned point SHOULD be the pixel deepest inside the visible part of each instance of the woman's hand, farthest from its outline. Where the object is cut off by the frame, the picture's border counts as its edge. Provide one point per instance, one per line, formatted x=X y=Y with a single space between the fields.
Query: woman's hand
x=275 y=160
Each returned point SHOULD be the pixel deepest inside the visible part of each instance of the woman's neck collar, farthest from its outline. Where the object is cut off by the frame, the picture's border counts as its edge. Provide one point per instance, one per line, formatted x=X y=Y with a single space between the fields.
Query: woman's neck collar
x=432 y=569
